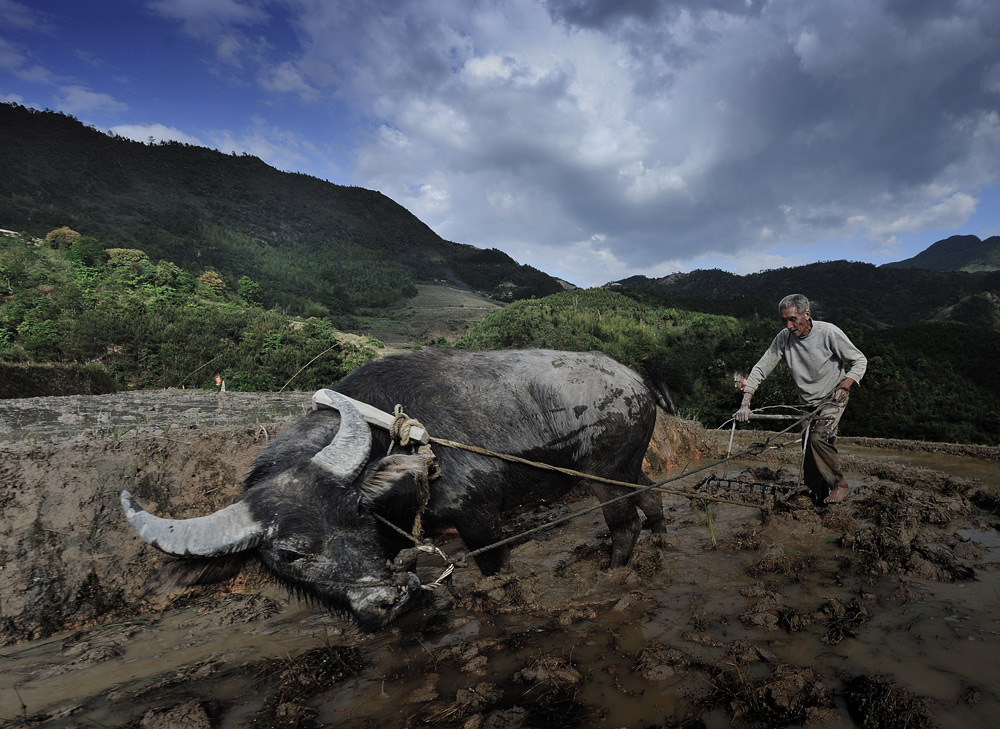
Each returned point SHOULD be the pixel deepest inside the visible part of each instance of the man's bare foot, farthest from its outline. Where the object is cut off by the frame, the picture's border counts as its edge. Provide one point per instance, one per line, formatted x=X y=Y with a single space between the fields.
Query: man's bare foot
x=838 y=494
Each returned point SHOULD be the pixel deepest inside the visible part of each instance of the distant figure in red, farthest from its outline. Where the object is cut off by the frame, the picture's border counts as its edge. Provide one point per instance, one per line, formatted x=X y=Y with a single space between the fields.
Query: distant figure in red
x=825 y=365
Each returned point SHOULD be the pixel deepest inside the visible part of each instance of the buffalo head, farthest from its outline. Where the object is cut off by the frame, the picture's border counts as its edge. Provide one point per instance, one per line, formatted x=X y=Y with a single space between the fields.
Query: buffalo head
x=307 y=513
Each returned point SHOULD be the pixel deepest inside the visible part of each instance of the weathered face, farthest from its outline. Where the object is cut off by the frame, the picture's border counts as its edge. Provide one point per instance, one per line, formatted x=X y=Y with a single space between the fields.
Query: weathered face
x=798 y=323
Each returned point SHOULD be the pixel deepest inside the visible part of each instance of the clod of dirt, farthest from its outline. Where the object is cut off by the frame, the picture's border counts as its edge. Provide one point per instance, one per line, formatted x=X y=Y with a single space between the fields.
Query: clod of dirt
x=886 y=502
x=576 y=615
x=839 y=521
x=843 y=620
x=895 y=549
x=744 y=652
x=498 y=594
x=647 y=559
x=768 y=612
x=967 y=549
x=191 y=715
x=549 y=670
x=512 y=718
x=747 y=539
x=629 y=600
x=972 y=696
x=774 y=560
x=788 y=696
x=583 y=553
x=936 y=561
x=468 y=702
x=986 y=498
x=875 y=703
x=299 y=679
x=471 y=657
x=658 y=663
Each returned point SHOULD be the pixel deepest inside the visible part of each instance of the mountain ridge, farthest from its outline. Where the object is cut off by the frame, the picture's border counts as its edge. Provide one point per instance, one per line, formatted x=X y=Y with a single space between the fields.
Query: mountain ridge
x=300 y=236
x=845 y=291
x=966 y=253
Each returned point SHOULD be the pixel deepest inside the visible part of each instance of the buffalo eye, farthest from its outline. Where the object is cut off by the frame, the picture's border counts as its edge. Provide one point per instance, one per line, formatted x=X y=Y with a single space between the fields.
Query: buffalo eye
x=361 y=504
x=288 y=556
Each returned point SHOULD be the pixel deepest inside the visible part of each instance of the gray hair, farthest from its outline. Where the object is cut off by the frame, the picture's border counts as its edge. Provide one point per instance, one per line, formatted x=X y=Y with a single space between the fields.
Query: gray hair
x=794 y=301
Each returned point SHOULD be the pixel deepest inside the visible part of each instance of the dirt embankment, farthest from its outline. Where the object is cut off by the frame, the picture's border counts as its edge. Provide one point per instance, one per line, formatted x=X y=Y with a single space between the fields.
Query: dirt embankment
x=67 y=559
x=40 y=380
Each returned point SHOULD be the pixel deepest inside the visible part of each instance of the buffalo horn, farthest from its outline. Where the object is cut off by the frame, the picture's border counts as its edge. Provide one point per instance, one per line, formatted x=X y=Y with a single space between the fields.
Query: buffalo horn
x=348 y=452
x=228 y=530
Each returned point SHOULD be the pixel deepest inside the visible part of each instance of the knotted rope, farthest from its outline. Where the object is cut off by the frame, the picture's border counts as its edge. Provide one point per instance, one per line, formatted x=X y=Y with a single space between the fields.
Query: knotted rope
x=399 y=432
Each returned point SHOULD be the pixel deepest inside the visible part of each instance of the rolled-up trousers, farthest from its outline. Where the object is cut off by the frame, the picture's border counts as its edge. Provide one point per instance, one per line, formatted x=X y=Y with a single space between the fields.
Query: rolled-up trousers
x=821 y=462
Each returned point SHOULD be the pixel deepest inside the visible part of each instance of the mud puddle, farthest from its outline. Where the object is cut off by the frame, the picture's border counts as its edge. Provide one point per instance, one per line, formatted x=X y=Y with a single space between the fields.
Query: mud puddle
x=882 y=609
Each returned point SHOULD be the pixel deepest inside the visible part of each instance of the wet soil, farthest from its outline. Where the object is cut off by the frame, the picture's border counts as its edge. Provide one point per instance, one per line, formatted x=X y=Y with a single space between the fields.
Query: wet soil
x=880 y=612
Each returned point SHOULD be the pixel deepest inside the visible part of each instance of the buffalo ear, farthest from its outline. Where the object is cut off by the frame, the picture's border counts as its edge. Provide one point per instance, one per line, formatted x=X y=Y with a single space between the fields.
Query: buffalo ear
x=191 y=572
x=382 y=476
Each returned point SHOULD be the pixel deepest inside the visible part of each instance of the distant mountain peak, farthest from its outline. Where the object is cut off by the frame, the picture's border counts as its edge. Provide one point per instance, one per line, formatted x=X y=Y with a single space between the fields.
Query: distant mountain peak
x=957 y=253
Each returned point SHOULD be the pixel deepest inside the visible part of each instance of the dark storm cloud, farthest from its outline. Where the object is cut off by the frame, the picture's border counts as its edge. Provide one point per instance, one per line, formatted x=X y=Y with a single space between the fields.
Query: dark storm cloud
x=599 y=139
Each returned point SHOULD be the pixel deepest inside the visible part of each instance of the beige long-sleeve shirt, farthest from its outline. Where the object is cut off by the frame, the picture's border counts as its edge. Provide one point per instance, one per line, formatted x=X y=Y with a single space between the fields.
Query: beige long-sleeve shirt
x=819 y=361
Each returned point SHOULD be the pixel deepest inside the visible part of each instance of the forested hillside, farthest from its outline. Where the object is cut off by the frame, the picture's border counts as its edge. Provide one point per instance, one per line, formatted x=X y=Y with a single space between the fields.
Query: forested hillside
x=928 y=381
x=841 y=291
x=957 y=253
x=310 y=244
x=151 y=324
x=164 y=265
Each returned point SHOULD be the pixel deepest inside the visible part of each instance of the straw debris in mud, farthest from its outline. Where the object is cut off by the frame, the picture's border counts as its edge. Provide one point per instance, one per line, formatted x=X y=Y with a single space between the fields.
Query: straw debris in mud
x=301 y=678
x=877 y=704
x=788 y=696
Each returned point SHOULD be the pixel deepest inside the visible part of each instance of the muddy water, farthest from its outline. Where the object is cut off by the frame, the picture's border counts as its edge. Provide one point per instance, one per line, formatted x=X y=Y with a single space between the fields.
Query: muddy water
x=941 y=643
x=960 y=466
x=560 y=641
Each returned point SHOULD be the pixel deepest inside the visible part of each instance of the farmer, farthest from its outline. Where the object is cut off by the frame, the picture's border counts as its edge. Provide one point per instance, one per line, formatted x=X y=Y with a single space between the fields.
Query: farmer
x=824 y=364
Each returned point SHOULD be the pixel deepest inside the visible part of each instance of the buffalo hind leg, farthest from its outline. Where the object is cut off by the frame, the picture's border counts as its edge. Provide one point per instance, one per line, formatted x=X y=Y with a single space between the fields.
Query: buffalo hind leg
x=622 y=521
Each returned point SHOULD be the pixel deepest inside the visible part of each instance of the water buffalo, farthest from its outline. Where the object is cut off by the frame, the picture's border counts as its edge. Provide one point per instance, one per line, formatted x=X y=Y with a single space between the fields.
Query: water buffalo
x=307 y=507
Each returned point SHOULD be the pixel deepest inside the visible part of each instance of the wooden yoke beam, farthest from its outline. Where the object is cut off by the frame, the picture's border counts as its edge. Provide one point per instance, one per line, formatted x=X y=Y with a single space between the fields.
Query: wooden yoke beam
x=371 y=414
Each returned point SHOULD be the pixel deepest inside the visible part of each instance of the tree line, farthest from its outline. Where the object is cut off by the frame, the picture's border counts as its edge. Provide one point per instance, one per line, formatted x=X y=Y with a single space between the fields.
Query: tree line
x=70 y=299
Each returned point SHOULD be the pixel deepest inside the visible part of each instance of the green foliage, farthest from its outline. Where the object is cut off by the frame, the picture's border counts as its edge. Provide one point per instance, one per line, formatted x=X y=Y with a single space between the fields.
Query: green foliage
x=212 y=283
x=249 y=290
x=929 y=381
x=62 y=238
x=840 y=291
x=150 y=326
x=86 y=251
x=982 y=309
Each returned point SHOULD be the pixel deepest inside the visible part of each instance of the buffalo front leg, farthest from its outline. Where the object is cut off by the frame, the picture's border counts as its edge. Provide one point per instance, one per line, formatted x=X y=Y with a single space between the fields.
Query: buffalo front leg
x=483 y=534
x=623 y=522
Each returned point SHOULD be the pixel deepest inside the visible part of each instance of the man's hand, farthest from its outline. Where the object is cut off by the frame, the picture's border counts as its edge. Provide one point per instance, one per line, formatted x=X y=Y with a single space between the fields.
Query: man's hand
x=743 y=414
x=843 y=391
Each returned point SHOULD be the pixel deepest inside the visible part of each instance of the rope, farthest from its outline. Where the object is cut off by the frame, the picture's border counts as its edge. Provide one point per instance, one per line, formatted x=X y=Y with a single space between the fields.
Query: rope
x=400 y=429
x=399 y=432
x=753 y=449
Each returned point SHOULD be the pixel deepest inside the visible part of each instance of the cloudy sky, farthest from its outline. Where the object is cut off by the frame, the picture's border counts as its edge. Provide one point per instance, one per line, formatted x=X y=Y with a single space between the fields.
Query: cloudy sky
x=593 y=139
